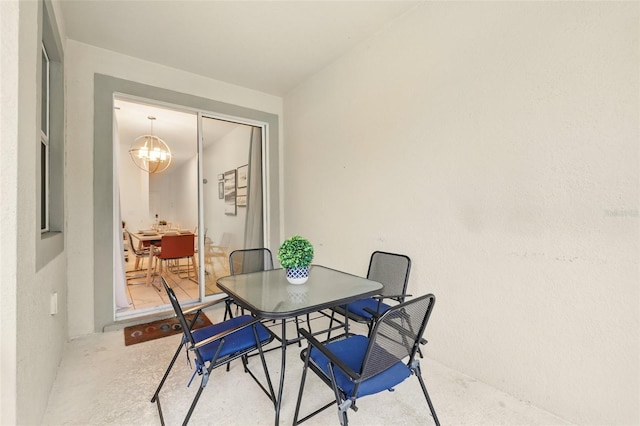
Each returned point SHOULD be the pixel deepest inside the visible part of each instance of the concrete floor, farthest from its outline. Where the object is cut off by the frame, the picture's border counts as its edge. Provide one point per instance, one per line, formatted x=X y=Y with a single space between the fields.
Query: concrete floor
x=102 y=382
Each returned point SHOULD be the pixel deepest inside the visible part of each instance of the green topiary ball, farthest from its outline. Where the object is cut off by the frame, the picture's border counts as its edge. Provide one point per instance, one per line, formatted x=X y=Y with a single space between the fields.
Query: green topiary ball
x=295 y=252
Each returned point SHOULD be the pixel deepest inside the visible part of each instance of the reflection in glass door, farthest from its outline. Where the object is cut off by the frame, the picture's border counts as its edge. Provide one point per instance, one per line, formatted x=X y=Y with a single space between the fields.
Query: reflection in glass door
x=153 y=204
x=225 y=213
x=231 y=185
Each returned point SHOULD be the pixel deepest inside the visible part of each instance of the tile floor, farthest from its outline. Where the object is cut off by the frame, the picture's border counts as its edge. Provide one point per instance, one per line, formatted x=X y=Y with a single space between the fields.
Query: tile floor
x=145 y=296
x=102 y=382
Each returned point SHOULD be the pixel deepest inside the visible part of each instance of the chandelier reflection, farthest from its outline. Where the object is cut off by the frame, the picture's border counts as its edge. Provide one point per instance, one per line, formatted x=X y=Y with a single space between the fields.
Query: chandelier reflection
x=150 y=153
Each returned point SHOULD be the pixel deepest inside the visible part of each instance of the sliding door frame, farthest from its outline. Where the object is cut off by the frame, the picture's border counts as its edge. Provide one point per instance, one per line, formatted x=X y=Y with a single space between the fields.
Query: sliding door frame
x=105 y=87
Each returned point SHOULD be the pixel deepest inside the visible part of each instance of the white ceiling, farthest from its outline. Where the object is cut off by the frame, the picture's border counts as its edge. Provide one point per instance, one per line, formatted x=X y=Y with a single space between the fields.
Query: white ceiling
x=270 y=46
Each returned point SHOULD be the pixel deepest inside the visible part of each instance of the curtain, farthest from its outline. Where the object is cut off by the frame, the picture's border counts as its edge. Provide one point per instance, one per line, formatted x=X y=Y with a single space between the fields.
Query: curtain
x=253 y=236
x=119 y=277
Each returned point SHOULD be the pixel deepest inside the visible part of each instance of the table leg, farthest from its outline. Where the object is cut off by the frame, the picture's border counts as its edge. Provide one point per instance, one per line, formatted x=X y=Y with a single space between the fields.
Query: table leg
x=150 y=261
x=284 y=358
x=140 y=248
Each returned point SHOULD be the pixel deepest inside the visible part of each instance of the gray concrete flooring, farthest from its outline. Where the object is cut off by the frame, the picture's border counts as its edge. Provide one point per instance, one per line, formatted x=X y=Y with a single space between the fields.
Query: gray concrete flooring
x=102 y=382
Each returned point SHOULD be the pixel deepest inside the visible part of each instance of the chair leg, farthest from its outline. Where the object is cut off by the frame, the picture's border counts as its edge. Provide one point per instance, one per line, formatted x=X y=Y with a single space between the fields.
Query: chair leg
x=416 y=369
x=166 y=374
x=155 y=269
x=346 y=321
x=333 y=313
x=304 y=377
x=298 y=403
x=271 y=393
x=195 y=269
x=244 y=364
x=343 y=403
x=342 y=416
x=193 y=404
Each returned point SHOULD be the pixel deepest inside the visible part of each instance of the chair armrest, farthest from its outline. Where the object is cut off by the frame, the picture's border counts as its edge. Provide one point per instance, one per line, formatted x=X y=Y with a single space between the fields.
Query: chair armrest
x=371 y=312
x=376 y=314
x=202 y=306
x=326 y=352
x=223 y=334
x=391 y=296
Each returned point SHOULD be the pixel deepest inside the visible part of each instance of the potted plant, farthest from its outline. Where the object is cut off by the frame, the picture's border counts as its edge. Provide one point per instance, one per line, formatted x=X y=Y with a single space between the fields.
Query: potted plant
x=295 y=255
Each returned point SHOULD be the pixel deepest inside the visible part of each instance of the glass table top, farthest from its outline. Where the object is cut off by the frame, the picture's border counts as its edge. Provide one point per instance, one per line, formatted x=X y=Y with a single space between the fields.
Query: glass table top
x=268 y=294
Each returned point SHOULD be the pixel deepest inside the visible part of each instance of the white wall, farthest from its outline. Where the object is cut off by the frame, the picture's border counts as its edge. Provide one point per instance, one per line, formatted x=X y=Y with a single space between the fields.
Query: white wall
x=172 y=194
x=9 y=217
x=82 y=62
x=185 y=196
x=134 y=193
x=495 y=143
x=31 y=340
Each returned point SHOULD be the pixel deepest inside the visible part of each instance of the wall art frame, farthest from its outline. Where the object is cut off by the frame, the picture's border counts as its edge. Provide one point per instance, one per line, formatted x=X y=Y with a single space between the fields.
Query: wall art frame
x=230 y=193
x=243 y=175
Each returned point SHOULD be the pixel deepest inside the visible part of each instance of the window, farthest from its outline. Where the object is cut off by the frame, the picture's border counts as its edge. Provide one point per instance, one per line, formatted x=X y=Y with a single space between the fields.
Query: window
x=44 y=142
x=49 y=140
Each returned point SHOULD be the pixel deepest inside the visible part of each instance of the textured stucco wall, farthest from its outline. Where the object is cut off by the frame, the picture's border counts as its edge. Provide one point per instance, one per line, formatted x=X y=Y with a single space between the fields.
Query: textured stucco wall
x=496 y=143
x=32 y=339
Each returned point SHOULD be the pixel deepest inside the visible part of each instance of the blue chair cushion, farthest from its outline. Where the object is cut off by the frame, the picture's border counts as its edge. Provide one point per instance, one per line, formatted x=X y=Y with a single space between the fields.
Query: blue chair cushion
x=351 y=351
x=238 y=341
x=358 y=306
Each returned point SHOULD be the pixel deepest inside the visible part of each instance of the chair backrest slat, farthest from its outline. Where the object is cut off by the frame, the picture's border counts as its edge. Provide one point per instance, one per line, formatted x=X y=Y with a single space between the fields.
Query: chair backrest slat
x=396 y=335
x=250 y=260
x=392 y=270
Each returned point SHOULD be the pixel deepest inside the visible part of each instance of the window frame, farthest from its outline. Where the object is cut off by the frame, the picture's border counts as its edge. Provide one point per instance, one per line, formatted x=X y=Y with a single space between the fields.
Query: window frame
x=49 y=163
x=45 y=147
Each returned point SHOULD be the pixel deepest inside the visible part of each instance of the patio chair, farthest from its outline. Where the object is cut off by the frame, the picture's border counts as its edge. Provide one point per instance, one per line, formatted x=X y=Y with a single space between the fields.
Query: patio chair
x=216 y=345
x=250 y=260
x=140 y=254
x=175 y=248
x=356 y=366
x=390 y=269
x=215 y=251
x=245 y=261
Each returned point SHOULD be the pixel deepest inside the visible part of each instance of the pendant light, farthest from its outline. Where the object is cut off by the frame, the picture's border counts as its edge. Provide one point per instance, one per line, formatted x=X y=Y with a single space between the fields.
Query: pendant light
x=150 y=153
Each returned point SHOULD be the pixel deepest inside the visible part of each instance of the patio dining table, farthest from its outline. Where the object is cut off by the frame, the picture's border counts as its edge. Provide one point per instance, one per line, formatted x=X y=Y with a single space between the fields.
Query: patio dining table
x=268 y=295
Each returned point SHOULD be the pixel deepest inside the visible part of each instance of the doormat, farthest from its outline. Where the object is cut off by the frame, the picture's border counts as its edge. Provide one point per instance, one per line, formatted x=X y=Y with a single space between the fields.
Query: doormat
x=161 y=328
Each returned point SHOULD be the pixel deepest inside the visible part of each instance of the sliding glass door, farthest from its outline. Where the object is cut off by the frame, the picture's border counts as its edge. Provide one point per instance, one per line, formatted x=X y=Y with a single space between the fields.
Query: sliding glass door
x=213 y=187
x=231 y=188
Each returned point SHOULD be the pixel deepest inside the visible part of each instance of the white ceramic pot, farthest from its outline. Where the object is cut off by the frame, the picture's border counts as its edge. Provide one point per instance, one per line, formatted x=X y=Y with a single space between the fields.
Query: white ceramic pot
x=297 y=275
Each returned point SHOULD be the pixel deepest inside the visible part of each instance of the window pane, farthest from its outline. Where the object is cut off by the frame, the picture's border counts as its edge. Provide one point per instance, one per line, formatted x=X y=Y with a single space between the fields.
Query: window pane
x=43 y=187
x=44 y=105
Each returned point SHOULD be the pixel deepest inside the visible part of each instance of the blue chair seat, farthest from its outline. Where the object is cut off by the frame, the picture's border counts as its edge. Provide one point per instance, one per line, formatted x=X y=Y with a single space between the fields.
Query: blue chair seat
x=236 y=342
x=358 y=306
x=351 y=351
